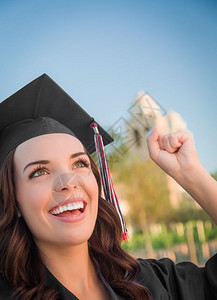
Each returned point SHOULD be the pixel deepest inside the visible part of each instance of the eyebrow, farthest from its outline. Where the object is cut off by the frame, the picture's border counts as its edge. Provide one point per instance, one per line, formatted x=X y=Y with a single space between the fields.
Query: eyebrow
x=45 y=162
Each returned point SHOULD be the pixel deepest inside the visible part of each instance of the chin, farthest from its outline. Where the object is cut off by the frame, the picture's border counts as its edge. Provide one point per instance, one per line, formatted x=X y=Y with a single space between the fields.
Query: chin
x=75 y=239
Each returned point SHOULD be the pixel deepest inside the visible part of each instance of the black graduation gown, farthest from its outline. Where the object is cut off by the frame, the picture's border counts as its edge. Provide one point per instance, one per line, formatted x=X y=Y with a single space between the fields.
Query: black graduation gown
x=164 y=279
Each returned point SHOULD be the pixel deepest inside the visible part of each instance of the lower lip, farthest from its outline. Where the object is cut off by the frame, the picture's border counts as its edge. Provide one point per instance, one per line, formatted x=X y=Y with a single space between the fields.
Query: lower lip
x=72 y=219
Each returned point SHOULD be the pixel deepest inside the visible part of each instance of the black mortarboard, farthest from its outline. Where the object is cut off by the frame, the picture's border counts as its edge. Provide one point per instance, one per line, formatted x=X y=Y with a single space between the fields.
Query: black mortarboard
x=43 y=107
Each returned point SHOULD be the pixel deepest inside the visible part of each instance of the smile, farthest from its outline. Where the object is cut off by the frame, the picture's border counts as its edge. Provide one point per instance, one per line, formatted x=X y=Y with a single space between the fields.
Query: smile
x=70 y=211
x=79 y=205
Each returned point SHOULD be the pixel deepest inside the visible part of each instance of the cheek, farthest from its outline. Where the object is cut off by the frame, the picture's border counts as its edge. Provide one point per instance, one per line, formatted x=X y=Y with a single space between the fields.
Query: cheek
x=32 y=203
x=31 y=199
x=93 y=187
x=95 y=197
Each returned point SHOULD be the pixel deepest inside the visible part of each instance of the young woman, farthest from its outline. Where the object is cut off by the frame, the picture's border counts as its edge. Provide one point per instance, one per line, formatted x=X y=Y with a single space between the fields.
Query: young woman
x=59 y=239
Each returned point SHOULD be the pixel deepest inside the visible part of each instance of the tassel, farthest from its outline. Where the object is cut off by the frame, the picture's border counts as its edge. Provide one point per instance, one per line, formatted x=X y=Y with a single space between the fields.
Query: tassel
x=108 y=187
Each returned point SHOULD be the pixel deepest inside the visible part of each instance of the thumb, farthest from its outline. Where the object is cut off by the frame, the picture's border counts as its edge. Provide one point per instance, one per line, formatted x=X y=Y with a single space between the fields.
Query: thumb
x=153 y=145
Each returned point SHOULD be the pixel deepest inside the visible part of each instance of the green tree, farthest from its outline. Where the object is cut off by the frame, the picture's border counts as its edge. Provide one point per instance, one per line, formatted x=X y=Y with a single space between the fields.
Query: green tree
x=146 y=191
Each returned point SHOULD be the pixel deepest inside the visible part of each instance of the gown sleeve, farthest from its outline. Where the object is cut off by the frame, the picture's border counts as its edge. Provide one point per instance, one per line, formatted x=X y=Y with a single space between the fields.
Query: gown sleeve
x=183 y=281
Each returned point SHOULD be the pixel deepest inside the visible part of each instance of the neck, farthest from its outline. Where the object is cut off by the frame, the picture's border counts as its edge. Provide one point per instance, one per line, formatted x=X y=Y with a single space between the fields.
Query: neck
x=72 y=266
x=68 y=262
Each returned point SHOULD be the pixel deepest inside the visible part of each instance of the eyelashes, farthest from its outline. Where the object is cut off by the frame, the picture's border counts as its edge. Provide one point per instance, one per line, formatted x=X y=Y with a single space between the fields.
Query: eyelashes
x=41 y=170
x=36 y=170
x=83 y=163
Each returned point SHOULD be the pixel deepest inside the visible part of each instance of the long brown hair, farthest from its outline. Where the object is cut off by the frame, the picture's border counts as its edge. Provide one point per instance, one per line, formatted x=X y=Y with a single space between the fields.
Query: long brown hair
x=18 y=249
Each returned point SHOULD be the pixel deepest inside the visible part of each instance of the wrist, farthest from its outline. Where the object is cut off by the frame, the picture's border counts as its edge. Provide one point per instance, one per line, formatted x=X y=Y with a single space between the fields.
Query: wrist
x=191 y=176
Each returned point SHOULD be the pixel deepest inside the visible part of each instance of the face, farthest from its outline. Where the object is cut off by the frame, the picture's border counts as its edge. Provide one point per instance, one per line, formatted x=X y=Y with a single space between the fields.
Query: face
x=56 y=191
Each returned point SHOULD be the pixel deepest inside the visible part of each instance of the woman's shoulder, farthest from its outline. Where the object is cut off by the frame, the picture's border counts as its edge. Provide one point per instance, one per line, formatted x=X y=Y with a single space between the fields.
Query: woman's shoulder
x=183 y=280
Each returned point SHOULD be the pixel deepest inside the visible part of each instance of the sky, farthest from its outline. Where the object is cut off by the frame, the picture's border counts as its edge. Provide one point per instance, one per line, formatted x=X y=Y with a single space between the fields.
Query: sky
x=104 y=52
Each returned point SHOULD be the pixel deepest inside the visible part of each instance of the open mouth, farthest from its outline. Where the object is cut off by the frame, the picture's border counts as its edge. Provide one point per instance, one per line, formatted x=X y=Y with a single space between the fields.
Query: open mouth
x=70 y=209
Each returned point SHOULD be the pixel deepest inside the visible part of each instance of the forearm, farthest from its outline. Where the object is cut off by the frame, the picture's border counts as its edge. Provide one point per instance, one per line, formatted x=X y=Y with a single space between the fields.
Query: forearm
x=202 y=187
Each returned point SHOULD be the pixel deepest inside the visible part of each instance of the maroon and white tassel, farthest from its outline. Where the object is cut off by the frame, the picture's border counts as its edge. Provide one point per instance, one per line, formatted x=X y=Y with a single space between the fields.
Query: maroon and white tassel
x=108 y=187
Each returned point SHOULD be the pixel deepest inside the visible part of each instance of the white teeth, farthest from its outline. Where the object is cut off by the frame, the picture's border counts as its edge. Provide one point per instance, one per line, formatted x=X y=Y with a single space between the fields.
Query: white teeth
x=70 y=206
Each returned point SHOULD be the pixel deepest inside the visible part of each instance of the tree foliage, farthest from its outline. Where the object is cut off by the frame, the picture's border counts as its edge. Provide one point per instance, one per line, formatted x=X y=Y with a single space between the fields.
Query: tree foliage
x=145 y=189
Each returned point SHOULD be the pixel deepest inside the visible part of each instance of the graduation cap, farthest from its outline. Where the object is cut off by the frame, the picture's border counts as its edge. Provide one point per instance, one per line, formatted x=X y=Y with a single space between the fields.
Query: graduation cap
x=43 y=107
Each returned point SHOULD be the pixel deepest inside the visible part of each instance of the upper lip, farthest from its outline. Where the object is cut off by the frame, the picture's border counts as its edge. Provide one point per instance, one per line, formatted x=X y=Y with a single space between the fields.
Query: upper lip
x=71 y=200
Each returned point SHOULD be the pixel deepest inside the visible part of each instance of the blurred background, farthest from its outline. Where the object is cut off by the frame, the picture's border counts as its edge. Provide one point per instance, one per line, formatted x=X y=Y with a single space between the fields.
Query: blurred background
x=132 y=65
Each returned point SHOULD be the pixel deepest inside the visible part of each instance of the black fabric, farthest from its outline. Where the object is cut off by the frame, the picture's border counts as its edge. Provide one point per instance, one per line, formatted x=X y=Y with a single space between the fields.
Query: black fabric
x=24 y=114
x=164 y=279
x=183 y=281
x=6 y=291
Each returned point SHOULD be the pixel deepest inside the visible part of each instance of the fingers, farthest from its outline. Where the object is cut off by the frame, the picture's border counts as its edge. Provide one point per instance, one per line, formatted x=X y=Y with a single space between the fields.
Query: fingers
x=153 y=144
x=169 y=142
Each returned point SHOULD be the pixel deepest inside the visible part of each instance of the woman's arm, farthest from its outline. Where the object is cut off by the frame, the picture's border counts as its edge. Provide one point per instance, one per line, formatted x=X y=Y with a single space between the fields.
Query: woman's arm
x=175 y=153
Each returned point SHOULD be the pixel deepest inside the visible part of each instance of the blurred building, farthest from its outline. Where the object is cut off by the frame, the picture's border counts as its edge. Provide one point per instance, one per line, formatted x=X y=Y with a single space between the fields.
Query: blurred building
x=146 y=113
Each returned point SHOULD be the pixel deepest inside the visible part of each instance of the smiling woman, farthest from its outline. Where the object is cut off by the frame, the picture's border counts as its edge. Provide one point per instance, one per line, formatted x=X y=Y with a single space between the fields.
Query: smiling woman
x=54 y=223
x=61 y=237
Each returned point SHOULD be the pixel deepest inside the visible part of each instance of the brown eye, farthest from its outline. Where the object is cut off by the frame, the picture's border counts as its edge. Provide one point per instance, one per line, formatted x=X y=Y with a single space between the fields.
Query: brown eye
x=81 y=164
x=39 y=171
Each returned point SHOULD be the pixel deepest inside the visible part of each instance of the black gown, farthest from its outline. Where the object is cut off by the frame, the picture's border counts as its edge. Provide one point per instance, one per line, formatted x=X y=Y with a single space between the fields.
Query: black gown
x=164 y=279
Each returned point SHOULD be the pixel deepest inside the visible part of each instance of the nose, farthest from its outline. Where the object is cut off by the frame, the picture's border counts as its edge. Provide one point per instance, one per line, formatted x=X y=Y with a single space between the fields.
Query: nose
x=67 y=181
x=68 y=186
